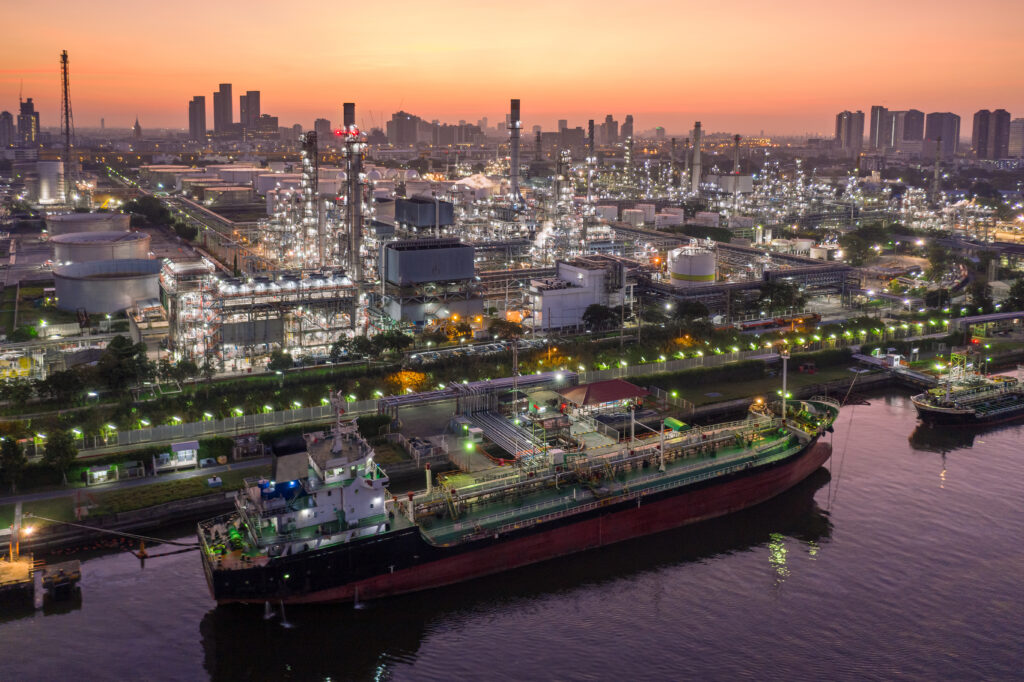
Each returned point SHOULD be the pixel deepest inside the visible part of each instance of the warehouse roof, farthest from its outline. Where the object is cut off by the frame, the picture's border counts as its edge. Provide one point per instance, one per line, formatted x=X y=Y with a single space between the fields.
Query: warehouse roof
x=600 y=392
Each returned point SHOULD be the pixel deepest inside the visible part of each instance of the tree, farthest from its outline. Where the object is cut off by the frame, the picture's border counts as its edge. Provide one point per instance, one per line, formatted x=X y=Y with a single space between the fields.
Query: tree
x=17 y=390
x=208 y=370
x=1015 y=299
x=938 y=261
x=62 y=385
x=279 y=361
x=12 y=462
x=780 y=296
x=392 y=341
x=981 y=295
x=60 y=452
x=339 y=349
x=124 y=364
x=362 y=346
x=504 y=329
x=598 y=316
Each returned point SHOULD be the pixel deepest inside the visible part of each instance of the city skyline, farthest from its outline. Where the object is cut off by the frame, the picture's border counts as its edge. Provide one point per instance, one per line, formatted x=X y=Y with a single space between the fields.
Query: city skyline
x=567 y=65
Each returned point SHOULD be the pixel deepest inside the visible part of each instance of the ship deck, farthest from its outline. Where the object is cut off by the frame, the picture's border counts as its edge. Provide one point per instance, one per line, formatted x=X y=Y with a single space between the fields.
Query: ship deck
x=572 y=498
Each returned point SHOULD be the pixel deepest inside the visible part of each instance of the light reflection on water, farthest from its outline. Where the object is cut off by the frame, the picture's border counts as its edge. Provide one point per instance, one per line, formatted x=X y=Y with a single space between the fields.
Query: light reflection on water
x=904 y=561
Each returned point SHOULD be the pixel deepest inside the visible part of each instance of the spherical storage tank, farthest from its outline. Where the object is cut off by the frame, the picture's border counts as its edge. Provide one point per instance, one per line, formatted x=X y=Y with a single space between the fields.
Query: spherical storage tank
x=80 y=247
x=691 y=267
x=68 y=223
x=106 y=286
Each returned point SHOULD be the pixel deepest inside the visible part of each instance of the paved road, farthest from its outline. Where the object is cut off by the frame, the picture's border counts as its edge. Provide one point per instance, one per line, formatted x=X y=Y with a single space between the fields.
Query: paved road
x=135 y=482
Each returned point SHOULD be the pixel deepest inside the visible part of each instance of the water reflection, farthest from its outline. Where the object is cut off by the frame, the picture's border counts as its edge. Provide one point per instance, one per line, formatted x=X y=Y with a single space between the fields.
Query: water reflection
x=339 y=642
x=16 y=608
x=945 y=440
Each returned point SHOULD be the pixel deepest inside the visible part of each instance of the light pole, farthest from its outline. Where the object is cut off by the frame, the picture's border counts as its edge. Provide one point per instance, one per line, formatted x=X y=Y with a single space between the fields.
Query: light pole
x=784 y=354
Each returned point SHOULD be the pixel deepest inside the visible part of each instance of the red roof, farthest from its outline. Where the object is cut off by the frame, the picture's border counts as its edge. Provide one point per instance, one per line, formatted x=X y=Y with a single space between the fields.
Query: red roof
x=601 y=392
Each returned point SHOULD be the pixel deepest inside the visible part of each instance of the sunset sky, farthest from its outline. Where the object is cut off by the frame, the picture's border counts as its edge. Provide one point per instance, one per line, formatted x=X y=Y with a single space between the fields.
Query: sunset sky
x=783 y=66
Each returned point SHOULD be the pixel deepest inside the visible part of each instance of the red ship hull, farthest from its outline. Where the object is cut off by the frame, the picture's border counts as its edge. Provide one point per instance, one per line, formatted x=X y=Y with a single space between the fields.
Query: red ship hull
x=645 y=518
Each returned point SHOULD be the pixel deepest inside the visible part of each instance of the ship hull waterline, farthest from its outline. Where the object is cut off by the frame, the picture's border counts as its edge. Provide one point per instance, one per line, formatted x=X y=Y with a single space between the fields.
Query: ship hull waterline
x=932 y=416
x=640 y=518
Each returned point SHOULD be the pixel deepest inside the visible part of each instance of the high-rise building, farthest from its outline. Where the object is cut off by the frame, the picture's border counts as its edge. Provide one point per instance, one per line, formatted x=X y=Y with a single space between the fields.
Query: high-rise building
x=979 y=133
x=137 y=130
x=28 y=124
x=880 y=135
x=610 y=130
x=322 y=128
x=249 y=110
x=913 y=126
x=627 y=127
x=990 y=137
x=402 y=129
x=7 y=134
x=197 y=118
x=223 y=112
x=946 y=126
x=562 y=124
x=850 y=131
x=1015 y=146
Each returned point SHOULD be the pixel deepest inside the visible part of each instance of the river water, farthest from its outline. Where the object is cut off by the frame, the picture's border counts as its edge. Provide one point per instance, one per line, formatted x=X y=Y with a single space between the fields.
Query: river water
x=903 y=559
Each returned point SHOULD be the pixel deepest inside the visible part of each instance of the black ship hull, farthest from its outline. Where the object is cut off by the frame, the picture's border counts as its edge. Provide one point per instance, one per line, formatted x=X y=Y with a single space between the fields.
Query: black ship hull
x=402 y=561
x=939 y=416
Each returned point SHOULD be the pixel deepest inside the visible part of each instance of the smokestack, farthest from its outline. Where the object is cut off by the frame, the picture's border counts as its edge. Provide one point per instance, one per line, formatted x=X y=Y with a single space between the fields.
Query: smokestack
x=538 y=156
x=354 y=145
x=735 y=154
x=514 y=126
x=936 y=183
x=673 y=172
x=695 y=170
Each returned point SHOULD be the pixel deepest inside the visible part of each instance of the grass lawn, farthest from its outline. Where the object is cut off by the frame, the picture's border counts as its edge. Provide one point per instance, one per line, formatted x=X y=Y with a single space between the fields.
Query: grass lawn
x=114 y=501
x=697 y=394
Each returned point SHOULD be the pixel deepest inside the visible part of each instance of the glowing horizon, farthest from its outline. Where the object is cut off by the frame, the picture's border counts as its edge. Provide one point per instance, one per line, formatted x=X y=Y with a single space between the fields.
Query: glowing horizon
x=783 y=70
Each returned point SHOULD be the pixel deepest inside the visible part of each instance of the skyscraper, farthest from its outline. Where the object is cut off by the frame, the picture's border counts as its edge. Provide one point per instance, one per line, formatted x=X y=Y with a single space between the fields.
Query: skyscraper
x=28 y=123
x=610 y=130
x=562 y=124
x=946 y=126
x=249 y=110
x=880 y=136
x=322 y=128
x=990 y=137
x=7 y=134
x=1015 y=147
x=197 y=119
x=402 y=129
x=223 y=112
x=979 y=133
x=850 y=131
x=627 y=127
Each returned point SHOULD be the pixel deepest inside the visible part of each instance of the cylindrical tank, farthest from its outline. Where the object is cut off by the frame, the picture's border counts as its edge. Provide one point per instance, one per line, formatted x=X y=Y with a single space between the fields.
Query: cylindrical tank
x=81 y=247
x=633 y=216
x=51 y=182
x=819 y=252
x=106 y=286
x=68 y=223
x=692 y=266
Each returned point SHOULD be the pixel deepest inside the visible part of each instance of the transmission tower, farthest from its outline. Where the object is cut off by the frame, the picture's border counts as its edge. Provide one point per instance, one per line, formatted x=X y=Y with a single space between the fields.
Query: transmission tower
x=68 y=129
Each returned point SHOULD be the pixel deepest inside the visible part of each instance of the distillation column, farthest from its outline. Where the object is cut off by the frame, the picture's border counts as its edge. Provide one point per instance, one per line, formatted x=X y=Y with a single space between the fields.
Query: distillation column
x=695 y=169
x=355 y=146
x=514 y=126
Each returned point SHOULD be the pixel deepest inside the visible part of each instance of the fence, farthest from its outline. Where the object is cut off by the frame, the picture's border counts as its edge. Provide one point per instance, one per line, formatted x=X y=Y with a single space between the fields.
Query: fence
x=229 y=426
x=672 y=365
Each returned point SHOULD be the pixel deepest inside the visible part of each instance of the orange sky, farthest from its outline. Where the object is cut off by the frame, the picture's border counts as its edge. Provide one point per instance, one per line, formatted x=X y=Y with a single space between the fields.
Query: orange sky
x=783 y=66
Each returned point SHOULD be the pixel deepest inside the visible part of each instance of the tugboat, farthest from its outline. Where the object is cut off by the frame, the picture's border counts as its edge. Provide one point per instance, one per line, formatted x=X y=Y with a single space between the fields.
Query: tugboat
x=324 y=528
x=968 y=398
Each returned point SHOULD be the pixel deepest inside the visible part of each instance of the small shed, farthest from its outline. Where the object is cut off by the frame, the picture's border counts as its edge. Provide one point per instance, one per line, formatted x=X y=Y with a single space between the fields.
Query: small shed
x=603 y=393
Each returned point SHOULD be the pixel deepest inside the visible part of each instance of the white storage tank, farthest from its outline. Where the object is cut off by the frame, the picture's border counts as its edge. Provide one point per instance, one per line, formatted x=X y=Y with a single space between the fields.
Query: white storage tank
x=68 y=223
x=692 y=266
x=633 y=216
x=106 y=286
x=648 y=210
x=51 y=182
x=783 y=245
x=607 y=212
x=81 y=247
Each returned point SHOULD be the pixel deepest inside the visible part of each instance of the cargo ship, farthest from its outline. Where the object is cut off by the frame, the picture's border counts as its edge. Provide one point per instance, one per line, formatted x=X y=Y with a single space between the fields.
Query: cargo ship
x=325 y=528
x=969 y=398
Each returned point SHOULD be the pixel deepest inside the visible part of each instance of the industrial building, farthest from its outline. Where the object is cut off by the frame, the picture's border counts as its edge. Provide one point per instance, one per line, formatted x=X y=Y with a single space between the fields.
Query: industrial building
x=559 y=302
